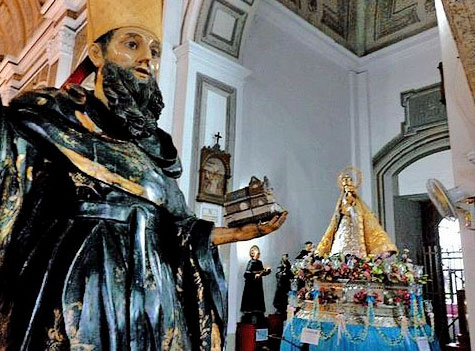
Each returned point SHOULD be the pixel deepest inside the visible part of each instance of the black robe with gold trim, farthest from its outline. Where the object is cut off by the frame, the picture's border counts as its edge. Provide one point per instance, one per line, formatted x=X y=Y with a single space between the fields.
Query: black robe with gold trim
x=98 y=248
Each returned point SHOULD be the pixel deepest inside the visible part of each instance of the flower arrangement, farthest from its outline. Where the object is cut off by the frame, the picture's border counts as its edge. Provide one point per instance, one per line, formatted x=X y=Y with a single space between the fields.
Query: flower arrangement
x=361 y=297
x=395 y=269
x=399 y=297
x=342 y=281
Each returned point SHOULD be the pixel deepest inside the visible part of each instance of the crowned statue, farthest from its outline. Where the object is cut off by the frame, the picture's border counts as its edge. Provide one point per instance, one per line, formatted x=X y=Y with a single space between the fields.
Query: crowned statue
x=355 y=290
x=354 y=229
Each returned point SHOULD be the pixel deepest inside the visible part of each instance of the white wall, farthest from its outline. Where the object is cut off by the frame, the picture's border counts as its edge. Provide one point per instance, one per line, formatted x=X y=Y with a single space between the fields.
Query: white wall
x=409 y=64
x=412 y=180
x=295 y=129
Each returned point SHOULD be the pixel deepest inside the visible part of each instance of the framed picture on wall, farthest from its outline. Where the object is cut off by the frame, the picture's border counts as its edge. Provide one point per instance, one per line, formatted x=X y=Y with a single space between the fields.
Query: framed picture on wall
x=215 y=172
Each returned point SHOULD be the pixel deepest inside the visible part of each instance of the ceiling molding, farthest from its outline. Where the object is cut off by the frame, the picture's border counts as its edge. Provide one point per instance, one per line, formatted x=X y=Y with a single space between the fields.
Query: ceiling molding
x=213 y=60
x=422 y=42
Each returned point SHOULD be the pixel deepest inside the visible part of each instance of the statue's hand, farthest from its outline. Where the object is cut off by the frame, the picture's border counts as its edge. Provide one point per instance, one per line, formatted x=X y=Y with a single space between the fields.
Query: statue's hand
x=249 y=231
x=253 y=230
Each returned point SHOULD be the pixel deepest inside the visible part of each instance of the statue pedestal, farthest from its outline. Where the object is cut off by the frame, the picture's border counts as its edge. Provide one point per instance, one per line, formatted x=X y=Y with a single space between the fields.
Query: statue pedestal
x=245 y=337
x=251 y=337
x=354 y=337
x=360 y=316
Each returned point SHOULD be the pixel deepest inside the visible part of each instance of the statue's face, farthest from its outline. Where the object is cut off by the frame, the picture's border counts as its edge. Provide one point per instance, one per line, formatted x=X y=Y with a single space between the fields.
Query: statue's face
x=135 y=49
x=254 y=253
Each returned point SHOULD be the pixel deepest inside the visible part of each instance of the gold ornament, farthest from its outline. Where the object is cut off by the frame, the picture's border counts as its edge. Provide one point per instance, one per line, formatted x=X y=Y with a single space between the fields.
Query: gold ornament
x=350 y=176
x=106 y=15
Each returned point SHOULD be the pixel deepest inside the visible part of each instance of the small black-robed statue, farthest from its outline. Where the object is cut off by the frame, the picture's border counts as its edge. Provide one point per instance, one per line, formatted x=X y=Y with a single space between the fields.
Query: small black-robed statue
x=306 y=251
x=252 y=305
x=284 y=276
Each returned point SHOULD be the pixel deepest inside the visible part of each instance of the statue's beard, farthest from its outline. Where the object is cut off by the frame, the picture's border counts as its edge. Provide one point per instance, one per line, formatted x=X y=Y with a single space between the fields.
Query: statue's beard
x=136 y=104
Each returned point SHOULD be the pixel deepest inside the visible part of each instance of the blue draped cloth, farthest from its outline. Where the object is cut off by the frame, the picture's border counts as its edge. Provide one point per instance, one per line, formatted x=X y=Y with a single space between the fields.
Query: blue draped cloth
x=382 y=338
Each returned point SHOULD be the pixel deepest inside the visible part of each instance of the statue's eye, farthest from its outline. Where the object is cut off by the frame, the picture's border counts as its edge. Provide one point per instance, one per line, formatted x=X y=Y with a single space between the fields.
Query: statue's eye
x=155 y=53
x=131 y=44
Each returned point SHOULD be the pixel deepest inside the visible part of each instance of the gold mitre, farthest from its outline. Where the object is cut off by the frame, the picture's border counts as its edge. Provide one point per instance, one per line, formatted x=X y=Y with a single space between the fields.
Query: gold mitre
x=105 y=15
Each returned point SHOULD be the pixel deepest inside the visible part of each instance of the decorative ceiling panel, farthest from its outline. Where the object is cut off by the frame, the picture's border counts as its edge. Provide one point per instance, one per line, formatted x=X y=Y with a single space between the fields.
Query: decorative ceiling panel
x=389 y=21
x=221 y=25
x=335 y=18
x=364 y=26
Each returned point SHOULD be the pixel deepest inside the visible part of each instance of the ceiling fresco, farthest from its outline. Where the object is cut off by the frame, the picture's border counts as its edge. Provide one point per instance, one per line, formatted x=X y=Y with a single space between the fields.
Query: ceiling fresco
x=18 y=21
x=364 y=26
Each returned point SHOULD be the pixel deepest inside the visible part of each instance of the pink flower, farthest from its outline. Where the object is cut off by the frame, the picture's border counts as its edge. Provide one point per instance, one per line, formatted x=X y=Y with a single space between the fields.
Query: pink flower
x=317 y=265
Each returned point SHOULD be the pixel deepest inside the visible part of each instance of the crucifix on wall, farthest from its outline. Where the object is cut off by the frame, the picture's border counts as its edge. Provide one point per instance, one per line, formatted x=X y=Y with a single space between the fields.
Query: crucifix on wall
x=217 y=136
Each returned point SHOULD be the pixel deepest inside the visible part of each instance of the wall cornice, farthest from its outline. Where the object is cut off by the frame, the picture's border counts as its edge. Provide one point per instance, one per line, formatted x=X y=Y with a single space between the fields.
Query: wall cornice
x=218 y=62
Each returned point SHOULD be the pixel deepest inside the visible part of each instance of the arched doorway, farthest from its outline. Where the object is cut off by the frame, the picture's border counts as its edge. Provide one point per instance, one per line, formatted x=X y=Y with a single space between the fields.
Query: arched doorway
x=400 y=169
x=423 y=134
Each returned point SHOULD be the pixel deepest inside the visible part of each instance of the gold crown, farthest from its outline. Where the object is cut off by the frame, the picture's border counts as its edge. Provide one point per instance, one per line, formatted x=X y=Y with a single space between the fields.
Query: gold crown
x=106 y=15
x=350 y=177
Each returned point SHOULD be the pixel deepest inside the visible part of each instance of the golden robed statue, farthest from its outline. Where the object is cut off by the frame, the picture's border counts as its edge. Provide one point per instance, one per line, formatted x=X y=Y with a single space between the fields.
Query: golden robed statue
x=354 y=229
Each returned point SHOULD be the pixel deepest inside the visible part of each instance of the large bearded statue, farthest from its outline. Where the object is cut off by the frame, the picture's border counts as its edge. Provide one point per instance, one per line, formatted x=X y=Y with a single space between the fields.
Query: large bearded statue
x=98 y=248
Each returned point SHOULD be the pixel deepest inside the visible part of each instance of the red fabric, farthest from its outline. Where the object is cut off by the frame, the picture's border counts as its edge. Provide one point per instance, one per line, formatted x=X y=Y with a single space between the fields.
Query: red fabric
x=245 y=337
x=276 y=324
x=84 y=69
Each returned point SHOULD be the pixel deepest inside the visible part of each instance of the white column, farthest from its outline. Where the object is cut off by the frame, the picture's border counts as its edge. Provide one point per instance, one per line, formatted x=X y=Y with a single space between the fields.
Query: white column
x=361 y=155
x=167 y=83
x=61 y=49
x=173 y=14
x=191 y=60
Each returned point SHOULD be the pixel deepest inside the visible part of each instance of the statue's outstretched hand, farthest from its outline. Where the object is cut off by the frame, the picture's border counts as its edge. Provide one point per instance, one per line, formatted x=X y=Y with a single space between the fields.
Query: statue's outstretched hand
x=248 y=231
x=271 y=226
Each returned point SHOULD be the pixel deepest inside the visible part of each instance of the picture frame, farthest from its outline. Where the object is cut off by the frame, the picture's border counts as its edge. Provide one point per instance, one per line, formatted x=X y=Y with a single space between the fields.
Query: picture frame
x=214 y=175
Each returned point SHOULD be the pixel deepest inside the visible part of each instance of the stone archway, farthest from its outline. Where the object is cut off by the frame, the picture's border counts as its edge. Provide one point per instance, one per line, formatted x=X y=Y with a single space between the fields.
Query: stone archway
x=424 y=132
